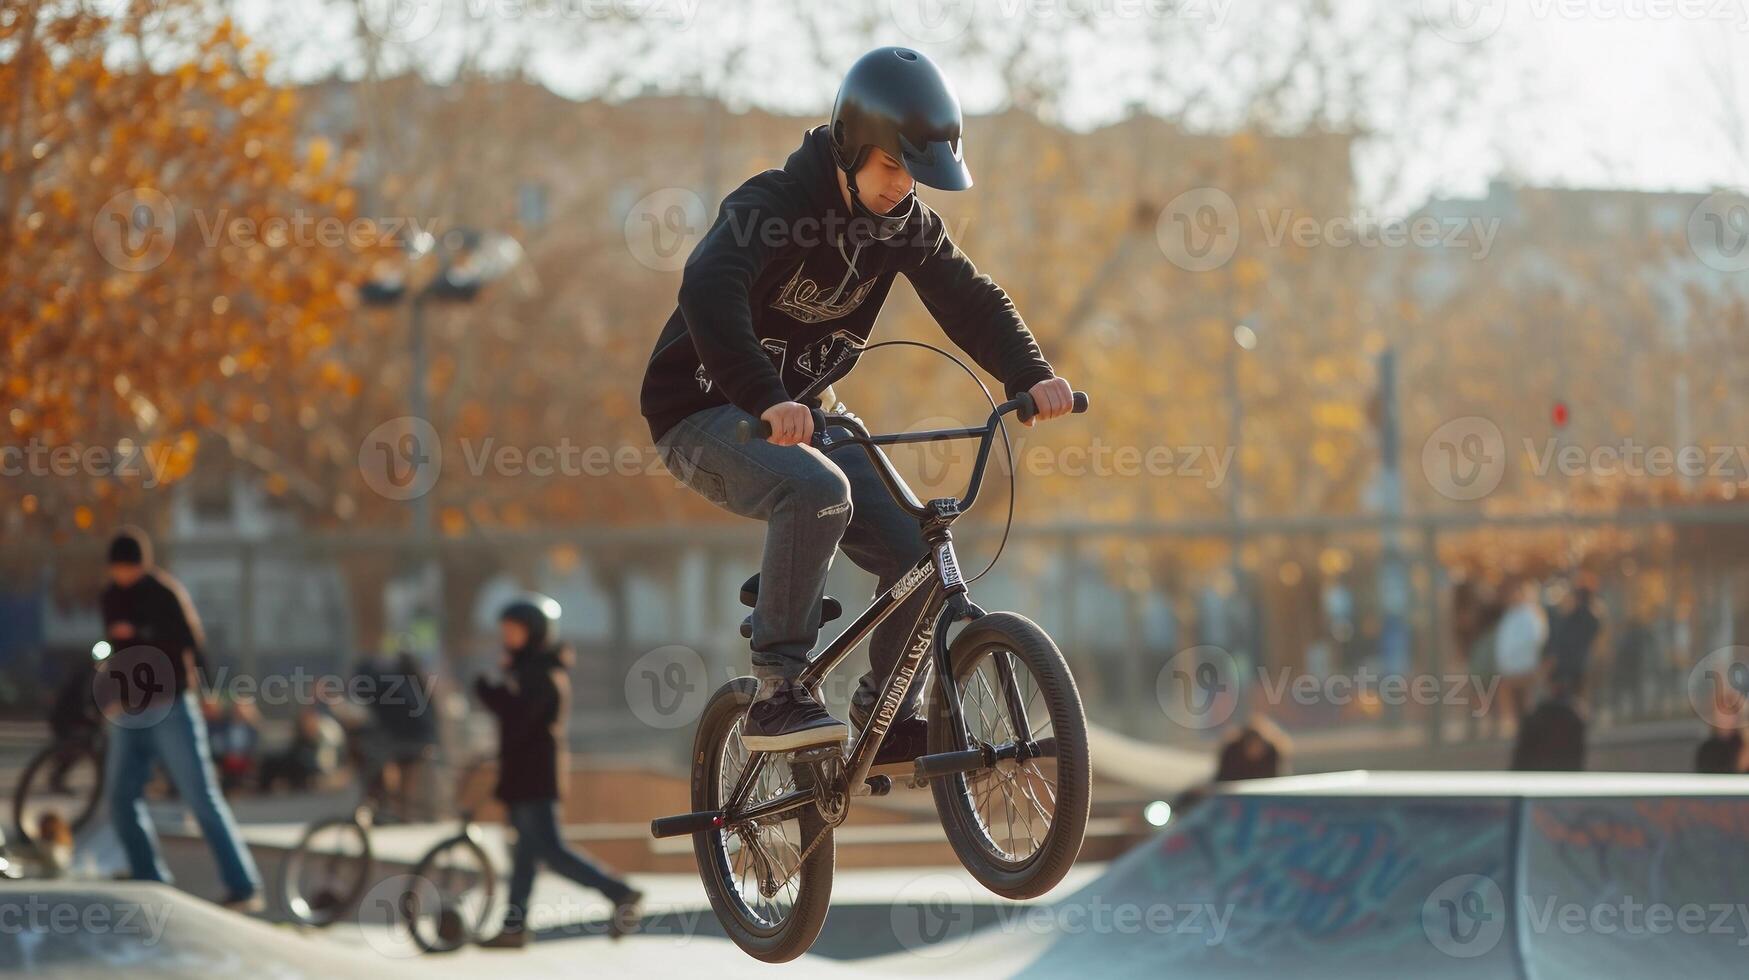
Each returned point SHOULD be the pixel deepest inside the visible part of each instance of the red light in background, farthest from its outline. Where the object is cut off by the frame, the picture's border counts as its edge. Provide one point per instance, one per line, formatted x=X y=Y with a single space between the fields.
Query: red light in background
x=1559 y=415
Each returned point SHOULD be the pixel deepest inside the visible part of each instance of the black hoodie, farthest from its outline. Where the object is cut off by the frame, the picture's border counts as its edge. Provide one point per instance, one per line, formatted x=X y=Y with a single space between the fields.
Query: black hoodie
x=782 y=289
x=164 y=620
x=532 y=705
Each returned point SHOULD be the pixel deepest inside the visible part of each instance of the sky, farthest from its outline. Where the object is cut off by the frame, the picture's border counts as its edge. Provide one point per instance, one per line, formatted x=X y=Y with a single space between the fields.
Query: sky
x=1577 y=93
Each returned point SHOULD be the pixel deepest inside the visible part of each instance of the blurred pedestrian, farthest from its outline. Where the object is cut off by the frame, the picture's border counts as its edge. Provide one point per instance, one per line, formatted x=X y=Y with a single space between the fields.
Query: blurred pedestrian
x=313 y=753
x=149 y=620
x=532 y=704
x=1573 y=633
x=1259 y=750
x=1724 y=751
x=1518 y=644
x=1636 y=650
x=1552 y=737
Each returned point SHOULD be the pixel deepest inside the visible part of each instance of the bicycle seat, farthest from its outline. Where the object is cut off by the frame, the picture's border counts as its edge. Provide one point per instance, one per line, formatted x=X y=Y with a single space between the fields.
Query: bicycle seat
x=830 y=608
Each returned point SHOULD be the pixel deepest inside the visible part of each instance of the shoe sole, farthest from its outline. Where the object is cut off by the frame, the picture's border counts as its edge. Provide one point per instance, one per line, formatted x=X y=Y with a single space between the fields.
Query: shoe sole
x=790 y=741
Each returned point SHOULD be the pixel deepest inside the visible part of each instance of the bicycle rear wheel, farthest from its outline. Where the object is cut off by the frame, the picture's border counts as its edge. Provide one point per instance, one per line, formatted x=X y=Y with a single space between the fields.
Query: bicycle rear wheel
x=1018 y=826
x=325 y=876
x=770 y=901
x=64 y=780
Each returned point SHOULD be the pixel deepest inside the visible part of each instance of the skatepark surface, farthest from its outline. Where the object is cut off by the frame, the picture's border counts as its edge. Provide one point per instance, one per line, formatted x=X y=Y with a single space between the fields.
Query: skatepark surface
x=1354 y=875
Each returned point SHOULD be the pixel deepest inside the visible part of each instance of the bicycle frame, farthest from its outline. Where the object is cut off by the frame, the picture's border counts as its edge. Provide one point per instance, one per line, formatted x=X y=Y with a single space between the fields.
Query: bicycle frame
x=949 y=602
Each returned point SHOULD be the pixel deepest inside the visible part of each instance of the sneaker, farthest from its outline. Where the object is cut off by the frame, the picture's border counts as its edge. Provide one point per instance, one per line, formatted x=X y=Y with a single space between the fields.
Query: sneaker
x=907 y=738
x=507 y=938
x=789 y=719
x=628 y=915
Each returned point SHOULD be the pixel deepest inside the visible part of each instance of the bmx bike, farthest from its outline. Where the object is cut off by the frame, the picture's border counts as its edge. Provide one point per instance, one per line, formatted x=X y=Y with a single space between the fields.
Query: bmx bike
x=1007 y=758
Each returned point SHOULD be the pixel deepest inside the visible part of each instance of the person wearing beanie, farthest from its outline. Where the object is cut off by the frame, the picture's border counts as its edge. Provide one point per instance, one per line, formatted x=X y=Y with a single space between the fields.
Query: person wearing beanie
x=149 y=692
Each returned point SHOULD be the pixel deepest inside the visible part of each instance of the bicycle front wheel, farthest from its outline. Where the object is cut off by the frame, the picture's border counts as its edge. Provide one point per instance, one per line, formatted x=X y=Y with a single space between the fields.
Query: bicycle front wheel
x=1017 y=826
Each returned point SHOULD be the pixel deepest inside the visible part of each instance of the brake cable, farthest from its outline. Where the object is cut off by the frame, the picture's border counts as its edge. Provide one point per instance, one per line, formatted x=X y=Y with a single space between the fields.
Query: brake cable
x=1007 y=449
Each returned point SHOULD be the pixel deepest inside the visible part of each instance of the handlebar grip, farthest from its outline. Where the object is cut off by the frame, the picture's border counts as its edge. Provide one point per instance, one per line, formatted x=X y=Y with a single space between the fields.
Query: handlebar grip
x=746 y=431
x=1028 y=408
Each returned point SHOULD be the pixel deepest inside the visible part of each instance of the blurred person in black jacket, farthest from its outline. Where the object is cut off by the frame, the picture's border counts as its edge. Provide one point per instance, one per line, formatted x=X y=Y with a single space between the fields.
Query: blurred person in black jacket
x=148 y=690
x=532 y=705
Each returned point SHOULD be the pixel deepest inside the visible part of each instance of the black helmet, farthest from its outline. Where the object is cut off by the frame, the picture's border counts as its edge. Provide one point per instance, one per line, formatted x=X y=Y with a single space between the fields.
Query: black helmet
x=538 y=614
x=898 y=100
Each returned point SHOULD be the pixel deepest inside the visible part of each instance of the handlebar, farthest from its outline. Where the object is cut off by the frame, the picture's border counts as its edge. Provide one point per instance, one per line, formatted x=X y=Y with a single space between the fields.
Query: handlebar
x=1021 y=405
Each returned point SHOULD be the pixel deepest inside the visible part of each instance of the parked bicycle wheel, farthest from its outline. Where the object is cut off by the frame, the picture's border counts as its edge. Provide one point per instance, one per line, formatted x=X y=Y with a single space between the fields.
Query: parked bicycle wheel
x=446 y=905
x=326 y=875
x=771 y=903
x=1018 y=826
x=65 y=779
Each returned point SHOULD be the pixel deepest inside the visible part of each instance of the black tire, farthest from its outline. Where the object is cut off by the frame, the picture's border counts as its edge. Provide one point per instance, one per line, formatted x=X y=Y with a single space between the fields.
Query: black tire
x=773 y=934
x=1061 y=784
x=344 y=879
x=80 y=805
x=458 y=860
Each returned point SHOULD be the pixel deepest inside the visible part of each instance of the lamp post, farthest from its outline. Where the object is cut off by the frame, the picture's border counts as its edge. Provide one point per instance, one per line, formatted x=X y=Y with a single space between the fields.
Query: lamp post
x=467 y=262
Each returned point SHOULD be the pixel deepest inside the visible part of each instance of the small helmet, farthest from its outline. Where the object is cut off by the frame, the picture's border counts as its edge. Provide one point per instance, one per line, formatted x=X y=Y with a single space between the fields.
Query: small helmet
x=538 y=614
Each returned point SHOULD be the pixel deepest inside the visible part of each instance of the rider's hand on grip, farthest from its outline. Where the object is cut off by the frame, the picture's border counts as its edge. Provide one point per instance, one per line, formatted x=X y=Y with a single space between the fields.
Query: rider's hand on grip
x=783 y=424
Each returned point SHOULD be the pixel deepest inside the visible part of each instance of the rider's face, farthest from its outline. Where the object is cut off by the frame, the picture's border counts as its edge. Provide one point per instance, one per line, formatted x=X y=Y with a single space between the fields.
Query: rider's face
x=882 y=183
x=513 y=633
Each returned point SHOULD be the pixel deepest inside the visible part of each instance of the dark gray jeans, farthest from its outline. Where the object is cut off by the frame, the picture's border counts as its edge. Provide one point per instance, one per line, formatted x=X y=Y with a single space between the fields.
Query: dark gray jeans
x=812 y=503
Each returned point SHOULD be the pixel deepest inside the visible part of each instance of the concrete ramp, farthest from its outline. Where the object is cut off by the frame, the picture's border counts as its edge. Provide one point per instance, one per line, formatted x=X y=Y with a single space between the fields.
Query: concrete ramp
x=1391 y=875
